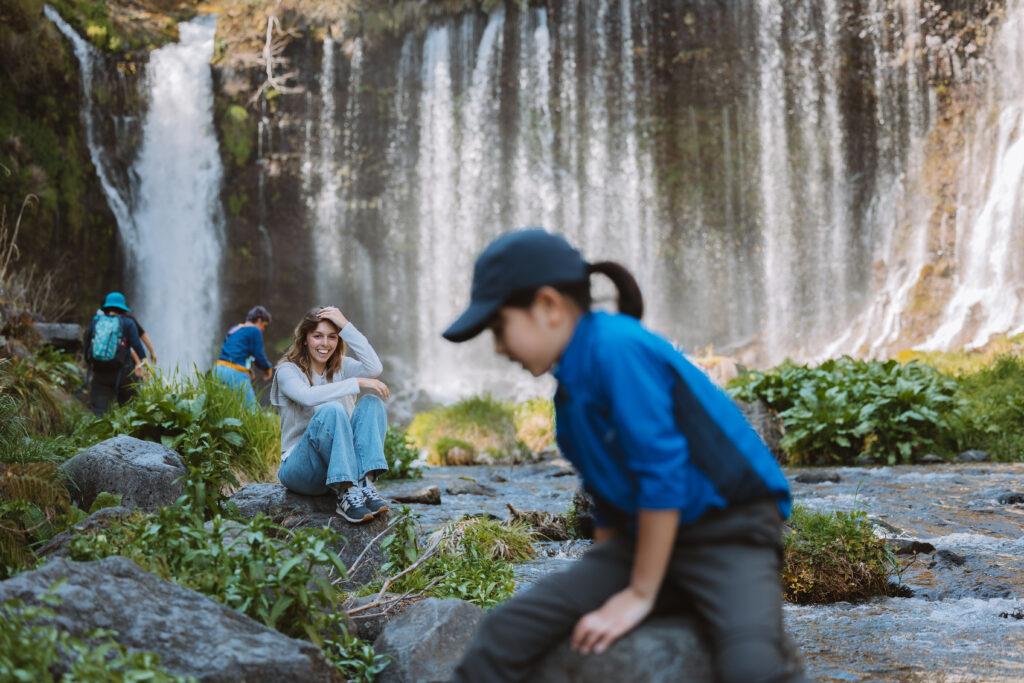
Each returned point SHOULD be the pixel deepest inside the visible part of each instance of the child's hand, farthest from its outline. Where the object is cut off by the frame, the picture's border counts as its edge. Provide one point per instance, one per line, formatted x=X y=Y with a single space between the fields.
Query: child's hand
x=596 y=631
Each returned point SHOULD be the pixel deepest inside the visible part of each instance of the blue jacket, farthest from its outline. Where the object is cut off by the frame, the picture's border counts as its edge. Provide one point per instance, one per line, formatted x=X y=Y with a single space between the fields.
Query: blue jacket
x=243 y=342
x=646 y=429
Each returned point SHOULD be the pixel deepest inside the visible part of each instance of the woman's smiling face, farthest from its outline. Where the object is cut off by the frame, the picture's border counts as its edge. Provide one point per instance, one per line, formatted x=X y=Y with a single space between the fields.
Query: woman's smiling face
x=321 y=342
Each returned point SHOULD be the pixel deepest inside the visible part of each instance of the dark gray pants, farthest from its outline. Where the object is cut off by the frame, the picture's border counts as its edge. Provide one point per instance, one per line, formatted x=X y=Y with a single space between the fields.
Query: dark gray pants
x=724 y=568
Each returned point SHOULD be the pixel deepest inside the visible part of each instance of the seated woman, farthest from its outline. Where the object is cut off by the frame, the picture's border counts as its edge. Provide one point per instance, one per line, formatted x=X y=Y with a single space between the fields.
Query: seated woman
x=242 y=344
x=328 y=440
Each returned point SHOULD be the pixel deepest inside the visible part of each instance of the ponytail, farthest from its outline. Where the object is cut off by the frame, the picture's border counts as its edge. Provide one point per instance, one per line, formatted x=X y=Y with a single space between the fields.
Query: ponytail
x=630 y=300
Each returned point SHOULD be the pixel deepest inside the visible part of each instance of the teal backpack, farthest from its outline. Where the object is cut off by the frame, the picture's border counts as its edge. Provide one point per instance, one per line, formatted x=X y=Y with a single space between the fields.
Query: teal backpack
x=106 y=337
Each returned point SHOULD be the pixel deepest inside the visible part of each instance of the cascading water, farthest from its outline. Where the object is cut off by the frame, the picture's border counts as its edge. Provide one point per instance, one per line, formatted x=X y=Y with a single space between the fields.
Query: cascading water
x=170 y=221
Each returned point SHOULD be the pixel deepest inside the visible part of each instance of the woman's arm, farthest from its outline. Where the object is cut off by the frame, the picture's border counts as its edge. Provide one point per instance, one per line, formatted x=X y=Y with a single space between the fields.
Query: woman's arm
x=293 y=384
x=366 y=362
x=149 y=346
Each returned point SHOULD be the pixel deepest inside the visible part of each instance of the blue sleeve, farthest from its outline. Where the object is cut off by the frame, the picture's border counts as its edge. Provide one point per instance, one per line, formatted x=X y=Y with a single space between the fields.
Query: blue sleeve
x=639 y=390
x=256 y=349
x=132 y=335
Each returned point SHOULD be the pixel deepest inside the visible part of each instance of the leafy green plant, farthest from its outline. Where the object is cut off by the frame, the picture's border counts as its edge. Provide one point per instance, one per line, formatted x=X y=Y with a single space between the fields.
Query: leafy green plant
x=835 y=556
x=32 y=648
x=41 y=400
x=201 y=413
x=992 y=418
x=845 y=408
x=277 y=576
x=401 y=456
x=485 y=423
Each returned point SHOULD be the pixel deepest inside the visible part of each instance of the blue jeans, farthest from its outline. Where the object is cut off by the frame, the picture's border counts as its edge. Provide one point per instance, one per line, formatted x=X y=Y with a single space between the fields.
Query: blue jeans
x=237 y=379
x=336 y=449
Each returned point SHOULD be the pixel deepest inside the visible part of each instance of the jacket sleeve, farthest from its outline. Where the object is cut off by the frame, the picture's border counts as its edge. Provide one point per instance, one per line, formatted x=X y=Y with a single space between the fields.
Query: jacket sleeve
x=290 y=382
x=366 y=362
x=132 y=335
x=639 y=391
x=256 y=349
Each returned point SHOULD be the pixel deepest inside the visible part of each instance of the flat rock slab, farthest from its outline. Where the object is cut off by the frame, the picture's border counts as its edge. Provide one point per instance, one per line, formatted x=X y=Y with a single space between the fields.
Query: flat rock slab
x=193 y=635
x=430 y=495
x=296 y=511
x=426 y=642
x=462 y=487
x=146 y=474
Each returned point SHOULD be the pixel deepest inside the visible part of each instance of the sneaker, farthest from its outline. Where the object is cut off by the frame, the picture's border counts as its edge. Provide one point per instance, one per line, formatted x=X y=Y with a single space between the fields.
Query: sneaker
x=372 y=499
x=352 y=506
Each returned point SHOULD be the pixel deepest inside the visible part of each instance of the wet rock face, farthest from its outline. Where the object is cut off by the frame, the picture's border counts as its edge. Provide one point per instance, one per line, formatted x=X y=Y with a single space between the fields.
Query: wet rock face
x=146 y=474
x=656 y=652
x=296 y=511
x=193 y=635
x=427 y=641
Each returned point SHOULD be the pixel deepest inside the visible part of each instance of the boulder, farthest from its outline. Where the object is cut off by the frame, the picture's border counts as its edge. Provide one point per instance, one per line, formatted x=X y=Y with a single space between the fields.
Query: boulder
x=66 y=336
x=468 y=486
x=768 y=425
x=1011 y=498
x=429 y=495
x=146 y=474
x=193 y=635
x=972 y=456
x=427 y=641
x=101 y=519
x=369 y=623
x=931 y=459
x=296 y=511
x=662 y=650
x=818 y=477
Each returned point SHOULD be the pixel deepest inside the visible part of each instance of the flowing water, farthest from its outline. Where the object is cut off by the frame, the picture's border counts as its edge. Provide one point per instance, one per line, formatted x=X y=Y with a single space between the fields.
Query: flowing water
x=168 y=215
x=959 y=625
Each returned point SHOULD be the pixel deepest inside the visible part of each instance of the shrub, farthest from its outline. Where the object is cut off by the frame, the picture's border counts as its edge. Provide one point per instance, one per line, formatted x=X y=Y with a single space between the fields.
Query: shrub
x=276 y=576
x=535 y=423
x=993 y=415
x=200 y=410
x=846 y=407
x=401 y=456
x=41 y=400
x=832 y=557
x=485 y=423
x=31 y=648
x=473 y=560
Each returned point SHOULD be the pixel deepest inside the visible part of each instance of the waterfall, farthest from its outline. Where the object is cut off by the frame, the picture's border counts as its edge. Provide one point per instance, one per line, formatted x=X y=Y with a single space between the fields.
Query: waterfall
x=177 y=257
x=170 y=221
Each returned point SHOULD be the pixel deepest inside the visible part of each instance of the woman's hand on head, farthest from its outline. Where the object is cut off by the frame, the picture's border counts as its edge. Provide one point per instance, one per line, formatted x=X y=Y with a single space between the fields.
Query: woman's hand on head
x=333 y=314
x=376 y=386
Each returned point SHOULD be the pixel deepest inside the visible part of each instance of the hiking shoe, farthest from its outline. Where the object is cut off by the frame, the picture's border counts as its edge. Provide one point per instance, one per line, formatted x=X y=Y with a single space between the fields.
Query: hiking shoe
x=352 y=506
x=372 y=499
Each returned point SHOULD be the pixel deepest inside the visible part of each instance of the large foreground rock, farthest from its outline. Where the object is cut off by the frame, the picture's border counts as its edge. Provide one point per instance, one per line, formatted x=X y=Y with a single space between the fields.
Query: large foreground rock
x=146 y=474
x=296 y=511
x=662 y=650
x=427 y=641
x=193 y=635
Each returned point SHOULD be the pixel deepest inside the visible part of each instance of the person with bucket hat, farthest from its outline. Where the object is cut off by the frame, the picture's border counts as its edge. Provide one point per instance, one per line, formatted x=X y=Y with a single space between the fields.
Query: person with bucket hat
x=113 y=352
x=242 y=348
x=689 y=500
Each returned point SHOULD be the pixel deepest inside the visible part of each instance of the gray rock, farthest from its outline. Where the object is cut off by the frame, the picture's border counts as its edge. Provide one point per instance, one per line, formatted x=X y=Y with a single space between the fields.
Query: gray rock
x=1011 y=499
x=864 y=460
x=818 y=477
x=931 y=459
x=949 y=557
x=465 y=485
x=370 y=623
x=146 y=474
x=67 y=336
x=296 y=511
x=104 y=518
x=427 y=641
x=972 y=456
x=909 y=546
x=768 y=425
x=193 y=635
x=662 y=650
x=430 y=495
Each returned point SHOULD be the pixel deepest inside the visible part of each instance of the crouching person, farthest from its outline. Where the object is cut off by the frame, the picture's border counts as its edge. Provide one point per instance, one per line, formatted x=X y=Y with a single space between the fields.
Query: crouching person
x=329 y=440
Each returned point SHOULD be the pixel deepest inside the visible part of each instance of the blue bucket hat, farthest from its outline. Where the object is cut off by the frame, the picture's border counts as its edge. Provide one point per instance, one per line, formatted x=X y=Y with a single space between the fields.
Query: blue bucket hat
x=116 y=300
x=517 y=261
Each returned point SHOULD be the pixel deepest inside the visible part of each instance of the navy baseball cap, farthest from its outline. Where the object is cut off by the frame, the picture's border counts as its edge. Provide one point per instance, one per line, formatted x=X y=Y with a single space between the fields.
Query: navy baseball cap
x=518 y=260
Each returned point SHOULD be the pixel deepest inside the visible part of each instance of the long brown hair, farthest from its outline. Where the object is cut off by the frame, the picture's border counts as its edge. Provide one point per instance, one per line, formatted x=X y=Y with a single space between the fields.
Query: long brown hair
x=298 y=352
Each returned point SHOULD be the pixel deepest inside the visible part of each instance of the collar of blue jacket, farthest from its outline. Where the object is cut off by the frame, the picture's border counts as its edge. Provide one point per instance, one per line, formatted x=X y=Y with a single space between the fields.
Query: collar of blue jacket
x=647 y=429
